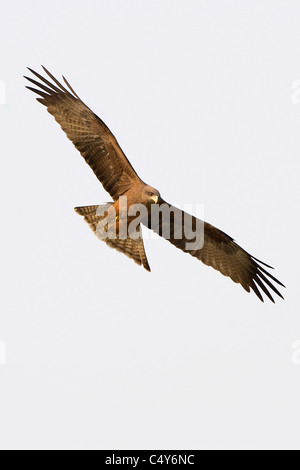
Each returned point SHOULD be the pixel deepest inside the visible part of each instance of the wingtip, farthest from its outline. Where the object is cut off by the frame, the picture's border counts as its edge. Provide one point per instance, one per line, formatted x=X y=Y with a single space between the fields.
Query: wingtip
x=46 y=71
x=30 y=88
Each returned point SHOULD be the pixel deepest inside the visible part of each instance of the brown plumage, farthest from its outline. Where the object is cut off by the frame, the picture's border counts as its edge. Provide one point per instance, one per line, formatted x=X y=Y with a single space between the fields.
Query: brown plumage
x=134 y=249
x=102 y=152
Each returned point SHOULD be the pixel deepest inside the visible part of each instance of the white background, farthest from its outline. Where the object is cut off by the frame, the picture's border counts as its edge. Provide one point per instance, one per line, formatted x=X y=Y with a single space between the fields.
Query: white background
x=100 y=353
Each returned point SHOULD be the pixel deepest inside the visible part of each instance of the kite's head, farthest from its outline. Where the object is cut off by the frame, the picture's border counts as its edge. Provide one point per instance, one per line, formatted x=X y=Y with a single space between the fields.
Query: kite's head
x=150 y=195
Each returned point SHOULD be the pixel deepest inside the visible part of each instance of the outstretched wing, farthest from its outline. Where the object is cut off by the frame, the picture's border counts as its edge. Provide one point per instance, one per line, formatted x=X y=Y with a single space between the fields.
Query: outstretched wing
x=217 y=249
x=89 y=134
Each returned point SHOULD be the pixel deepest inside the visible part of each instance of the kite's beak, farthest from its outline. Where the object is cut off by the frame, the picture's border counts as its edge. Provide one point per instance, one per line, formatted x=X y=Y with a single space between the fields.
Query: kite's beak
x=154 y=198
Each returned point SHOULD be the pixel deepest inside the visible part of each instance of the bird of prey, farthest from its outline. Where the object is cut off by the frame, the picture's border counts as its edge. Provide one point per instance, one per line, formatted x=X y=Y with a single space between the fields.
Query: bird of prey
x=101 y=151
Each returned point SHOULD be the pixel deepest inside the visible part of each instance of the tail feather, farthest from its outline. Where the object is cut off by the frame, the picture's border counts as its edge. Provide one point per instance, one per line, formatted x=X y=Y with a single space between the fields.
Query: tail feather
x=133 y=248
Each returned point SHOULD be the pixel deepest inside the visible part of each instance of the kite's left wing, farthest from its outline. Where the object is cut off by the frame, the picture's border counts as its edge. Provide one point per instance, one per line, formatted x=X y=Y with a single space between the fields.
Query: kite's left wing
x=217 y=250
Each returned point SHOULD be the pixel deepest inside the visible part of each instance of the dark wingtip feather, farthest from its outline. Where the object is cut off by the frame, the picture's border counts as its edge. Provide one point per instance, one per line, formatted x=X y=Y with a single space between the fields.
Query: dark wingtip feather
x=68 y=84
x=44 y=68
x=255 y=289
x=272 y=277
x=263 y=288
x=259 y=261
x=35 y=90
x=62 y=88
x=266 y=280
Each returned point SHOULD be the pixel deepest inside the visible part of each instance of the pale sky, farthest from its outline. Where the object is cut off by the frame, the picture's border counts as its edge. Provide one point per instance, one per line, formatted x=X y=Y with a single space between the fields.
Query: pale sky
x=95 y=352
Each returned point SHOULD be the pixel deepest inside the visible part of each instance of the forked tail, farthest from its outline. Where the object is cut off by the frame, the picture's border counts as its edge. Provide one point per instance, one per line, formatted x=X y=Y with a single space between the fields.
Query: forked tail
x=131 y=247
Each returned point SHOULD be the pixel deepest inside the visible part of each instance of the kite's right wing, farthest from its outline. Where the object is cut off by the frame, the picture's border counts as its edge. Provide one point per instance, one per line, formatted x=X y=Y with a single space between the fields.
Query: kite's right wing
x=89 y=134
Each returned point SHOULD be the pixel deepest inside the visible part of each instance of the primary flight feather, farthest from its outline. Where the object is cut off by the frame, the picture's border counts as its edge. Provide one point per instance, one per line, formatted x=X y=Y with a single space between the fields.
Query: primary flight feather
x=101 y=151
